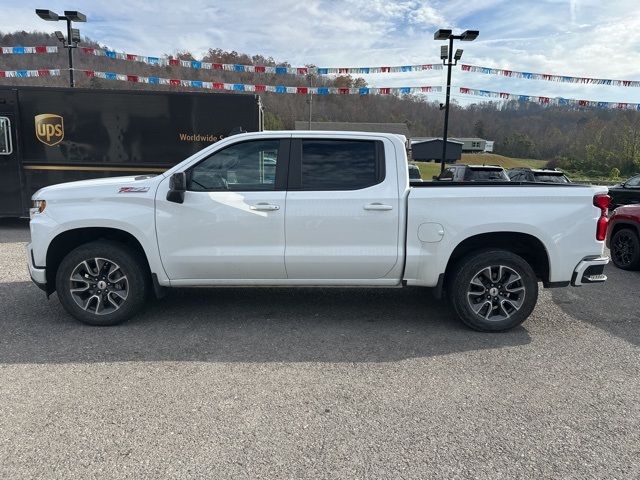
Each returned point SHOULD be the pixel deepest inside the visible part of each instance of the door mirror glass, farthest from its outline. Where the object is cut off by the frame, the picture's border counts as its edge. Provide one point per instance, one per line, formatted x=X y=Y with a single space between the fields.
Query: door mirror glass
x=6 y=148
x=177 y=187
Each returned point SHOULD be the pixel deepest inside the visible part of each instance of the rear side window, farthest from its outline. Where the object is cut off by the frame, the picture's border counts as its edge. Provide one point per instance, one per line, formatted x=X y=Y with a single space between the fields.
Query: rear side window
x=341 y=164
x=479 y=175
x=550 y=178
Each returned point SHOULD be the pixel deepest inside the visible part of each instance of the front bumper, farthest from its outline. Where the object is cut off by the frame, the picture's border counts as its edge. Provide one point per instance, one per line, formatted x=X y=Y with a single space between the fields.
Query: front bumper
x=38 y=274
x=589 y=270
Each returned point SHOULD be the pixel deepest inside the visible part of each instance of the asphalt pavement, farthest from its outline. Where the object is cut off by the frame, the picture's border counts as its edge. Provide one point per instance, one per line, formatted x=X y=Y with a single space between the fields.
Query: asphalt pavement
x=317 y=383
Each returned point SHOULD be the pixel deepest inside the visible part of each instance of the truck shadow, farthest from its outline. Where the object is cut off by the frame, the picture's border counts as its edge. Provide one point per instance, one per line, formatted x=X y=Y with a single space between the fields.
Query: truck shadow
x=14 y=230
x=613 y=306
x=245 y=325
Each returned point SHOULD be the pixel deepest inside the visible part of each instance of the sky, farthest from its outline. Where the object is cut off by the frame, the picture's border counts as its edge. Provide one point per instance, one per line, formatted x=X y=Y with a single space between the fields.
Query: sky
x=587 y=38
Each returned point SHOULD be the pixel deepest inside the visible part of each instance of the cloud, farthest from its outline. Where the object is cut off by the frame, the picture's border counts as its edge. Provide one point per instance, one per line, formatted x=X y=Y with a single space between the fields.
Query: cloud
x=554 y=36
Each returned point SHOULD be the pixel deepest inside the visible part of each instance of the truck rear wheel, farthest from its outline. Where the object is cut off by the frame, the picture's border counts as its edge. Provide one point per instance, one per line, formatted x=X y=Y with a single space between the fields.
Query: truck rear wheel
x=493 y=290
x=101 y=283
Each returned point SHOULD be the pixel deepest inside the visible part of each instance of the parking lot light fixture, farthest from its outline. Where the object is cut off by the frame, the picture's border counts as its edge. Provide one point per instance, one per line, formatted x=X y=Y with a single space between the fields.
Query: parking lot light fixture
x=449 y=60
x=73 y=34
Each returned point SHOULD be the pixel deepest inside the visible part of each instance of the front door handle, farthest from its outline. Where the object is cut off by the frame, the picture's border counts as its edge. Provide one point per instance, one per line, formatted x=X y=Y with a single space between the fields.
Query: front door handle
x=265 y=207
x=378 y=206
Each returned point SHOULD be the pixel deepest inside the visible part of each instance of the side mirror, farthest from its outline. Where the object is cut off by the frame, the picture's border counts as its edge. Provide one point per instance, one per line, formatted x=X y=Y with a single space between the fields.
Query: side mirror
x=177 y=187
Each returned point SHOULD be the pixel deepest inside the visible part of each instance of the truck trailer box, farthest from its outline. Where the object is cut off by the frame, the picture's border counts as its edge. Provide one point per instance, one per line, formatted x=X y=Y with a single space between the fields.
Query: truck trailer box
x=55 y=135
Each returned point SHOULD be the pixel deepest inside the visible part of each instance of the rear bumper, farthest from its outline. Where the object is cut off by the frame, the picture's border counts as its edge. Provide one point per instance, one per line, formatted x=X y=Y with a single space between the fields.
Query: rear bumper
x=589 y=270
x=38 y=274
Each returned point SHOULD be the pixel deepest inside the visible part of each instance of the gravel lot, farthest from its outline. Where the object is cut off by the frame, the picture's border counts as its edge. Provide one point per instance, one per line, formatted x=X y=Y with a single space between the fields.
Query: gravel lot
x=331 y=383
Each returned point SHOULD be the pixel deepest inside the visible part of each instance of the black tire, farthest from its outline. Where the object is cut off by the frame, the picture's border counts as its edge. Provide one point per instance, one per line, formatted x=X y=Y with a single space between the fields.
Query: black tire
x=134 y=286
x=625 y=249
x=513 y=282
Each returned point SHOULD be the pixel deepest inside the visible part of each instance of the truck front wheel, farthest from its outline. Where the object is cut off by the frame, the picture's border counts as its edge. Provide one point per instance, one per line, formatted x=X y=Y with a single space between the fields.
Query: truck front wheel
x=101 y=283
x=493 y=290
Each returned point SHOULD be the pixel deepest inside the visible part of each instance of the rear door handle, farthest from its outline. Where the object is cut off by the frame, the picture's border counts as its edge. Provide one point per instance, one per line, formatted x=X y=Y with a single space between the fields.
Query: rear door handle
x=378 y=206
x=265 y=207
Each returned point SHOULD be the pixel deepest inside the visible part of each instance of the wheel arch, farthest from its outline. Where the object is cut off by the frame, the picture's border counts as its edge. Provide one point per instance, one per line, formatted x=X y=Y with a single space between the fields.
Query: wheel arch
x=527 y=246
x=66 y=241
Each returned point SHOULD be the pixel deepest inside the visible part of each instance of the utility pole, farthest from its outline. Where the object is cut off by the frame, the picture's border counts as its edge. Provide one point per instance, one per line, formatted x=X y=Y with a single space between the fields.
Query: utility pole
x=449 y=59
x=73 y=34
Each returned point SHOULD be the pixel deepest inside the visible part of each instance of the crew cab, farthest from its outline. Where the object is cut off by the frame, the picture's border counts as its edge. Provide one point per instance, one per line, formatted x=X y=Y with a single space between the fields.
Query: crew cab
x=339 y=210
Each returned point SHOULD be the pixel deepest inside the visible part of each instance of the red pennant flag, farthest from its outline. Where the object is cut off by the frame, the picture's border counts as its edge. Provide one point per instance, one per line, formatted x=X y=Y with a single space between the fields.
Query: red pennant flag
x=174 y=61
x=2 y=74
x=174 y=82
x=385 y=90
x=218 y=86
x=343 y=70
x=261 y=88
x=303 y=90
x=504 y=95
x=88 y=50
x=89 y=73
x=343 y=91
x=41 y=49
x=385 y=69
x=131 y=57
x=132 y=78
x=427 y=67
x=216 y=66
x=466 y=68
x=464 y=90
x=260 y=69
x=302 y=71
x=43 y=73
x=426 y=89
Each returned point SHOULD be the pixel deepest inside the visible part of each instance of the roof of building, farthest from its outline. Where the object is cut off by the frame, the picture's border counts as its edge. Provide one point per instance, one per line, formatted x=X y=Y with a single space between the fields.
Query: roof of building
x=433 y=139
x=397 y=128
x=470 y=139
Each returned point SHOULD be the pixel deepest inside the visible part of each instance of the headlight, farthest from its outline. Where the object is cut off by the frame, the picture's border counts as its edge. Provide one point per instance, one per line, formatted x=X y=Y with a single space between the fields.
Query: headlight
x=37 y=206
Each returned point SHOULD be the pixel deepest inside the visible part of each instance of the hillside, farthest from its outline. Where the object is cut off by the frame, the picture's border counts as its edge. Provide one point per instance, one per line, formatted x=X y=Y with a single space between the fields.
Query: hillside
x=591 y=142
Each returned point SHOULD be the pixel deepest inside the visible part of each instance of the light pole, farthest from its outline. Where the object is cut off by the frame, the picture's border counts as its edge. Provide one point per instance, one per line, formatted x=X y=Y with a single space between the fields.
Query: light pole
x=73 y=34
x=450 y=59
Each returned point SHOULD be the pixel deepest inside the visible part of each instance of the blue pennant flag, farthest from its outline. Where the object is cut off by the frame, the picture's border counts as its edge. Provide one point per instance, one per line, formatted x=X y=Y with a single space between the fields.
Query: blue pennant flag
x=154 y=80
x=323 y=91
x=281 y=88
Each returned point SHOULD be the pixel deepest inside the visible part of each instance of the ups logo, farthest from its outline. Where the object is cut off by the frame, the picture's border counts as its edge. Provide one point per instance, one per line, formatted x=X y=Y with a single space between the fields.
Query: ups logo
x=49 y=128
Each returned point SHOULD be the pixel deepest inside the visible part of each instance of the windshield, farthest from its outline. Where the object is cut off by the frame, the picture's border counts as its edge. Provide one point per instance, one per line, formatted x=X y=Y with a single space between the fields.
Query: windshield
x=550 y=178
x=485 y=175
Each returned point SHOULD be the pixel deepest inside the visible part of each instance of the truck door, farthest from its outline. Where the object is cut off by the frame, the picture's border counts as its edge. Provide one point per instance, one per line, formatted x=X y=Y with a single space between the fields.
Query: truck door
x=231 y=223
x=343 y=210
x=10 y=197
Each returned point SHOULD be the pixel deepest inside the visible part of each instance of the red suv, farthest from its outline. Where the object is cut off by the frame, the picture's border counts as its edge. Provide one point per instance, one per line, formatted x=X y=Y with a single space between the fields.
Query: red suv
x=623 y=237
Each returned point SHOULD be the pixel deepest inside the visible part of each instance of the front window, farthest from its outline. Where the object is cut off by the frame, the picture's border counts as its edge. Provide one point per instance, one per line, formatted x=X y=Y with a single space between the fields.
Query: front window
x=247 y=166
x=633 y=181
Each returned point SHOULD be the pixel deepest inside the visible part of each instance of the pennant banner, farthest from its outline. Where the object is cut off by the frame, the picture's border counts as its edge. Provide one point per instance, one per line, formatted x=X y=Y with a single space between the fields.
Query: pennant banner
x=232 y=67
x=549 y=77
x=243 y=87
x=557 y=101
x=29 y=73
x=23 y=50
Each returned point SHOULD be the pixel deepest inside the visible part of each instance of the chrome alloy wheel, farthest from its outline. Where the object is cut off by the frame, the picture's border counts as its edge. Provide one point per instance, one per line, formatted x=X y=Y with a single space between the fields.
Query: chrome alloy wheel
x=496 y=292
x=98 y=286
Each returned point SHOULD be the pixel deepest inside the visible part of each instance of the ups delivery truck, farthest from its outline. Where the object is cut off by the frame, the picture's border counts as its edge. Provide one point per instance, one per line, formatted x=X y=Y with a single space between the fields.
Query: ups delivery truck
x=54 y=135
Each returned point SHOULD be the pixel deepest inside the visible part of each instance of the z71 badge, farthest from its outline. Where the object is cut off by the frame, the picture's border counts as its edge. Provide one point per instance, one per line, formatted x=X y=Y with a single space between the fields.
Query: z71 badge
x=133 y=189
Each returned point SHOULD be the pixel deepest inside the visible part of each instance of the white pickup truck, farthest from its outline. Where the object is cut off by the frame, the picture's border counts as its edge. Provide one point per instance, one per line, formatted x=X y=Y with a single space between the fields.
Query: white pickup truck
x=313 y=209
